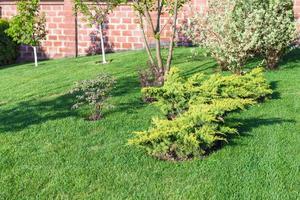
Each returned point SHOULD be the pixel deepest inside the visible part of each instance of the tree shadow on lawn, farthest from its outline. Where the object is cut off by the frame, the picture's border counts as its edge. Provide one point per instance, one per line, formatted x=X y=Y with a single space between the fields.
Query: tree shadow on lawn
x=274 y=86
x=248 y=125
x=33 y=112
x=130 y=107
x=126 y=85
x=291 y=60
x=128 y=94
x=202 y=68
x=245 y=129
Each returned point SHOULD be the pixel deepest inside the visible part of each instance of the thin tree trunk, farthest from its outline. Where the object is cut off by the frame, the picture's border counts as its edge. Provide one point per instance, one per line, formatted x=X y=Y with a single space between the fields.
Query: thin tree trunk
x=158 y=53
x=35 y=56
x=145 y=40
x=102 y=44
x=157 y=40
x=171 y=48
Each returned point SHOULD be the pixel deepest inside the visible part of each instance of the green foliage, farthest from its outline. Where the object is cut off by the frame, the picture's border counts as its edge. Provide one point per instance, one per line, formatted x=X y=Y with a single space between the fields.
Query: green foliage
x=197 y=108
x=94 y=92
x=96 y=11
x=8 y=48
x=233 y=31
x=221 y=34
x=151 y=5
x=271 y=26
x=28 y=26
x=177 y=93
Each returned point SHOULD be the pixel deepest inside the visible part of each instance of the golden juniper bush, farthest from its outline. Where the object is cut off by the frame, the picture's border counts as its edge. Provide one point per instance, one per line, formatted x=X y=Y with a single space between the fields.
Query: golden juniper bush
x=196 y=109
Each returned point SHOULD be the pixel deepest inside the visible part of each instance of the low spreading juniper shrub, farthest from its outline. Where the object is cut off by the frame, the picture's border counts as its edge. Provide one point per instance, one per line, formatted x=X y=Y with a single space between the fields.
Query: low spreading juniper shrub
x=95 y=93
x=196 y=111
x=177 y=93
x=173 y=97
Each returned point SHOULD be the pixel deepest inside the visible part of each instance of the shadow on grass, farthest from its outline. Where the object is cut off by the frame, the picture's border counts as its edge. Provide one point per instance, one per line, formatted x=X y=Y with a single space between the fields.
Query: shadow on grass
x=128 y=91
x=130 y=107
x=126 y=85
x=14 y=65
x=32 y=112
x=35 y=112
x=248 y=125
x=274 y=86
x=291 y=60
x=203 y=68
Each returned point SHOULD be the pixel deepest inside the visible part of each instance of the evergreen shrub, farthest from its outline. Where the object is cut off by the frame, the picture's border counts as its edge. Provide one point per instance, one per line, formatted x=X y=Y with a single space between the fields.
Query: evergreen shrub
x=196 y=110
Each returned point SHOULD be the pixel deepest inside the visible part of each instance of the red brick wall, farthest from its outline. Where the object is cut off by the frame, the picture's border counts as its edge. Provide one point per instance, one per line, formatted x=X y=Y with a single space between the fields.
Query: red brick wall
x=60 y=40
x=122 y=31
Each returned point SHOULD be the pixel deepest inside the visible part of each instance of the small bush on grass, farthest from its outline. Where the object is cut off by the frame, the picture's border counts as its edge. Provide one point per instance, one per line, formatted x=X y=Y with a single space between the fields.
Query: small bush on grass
x=8 y=48
x=95 y=93
x=177 y=93
x=197 y=108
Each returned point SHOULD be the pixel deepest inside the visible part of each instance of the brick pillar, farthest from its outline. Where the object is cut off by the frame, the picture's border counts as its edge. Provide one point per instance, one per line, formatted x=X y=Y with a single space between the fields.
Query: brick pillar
x=68 y=27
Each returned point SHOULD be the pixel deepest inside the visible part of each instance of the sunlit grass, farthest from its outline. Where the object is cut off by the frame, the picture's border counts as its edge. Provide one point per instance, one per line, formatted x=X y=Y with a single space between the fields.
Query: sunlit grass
x=49 y=151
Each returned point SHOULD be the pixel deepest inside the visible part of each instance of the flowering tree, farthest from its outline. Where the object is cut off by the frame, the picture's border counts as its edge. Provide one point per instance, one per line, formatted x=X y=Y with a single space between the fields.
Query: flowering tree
x=28 y=26
x=95 y=12
x=146 y=9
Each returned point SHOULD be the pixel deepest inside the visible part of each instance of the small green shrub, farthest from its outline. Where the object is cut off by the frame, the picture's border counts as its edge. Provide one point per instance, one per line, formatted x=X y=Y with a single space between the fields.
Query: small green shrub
x=8 y=48
x=177 y=93
x=173 y=97
x=95 y=93
x=198 y=107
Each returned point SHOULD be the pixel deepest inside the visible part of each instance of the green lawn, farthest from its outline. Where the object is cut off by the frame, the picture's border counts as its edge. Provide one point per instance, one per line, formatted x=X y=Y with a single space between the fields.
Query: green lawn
x=49 y=151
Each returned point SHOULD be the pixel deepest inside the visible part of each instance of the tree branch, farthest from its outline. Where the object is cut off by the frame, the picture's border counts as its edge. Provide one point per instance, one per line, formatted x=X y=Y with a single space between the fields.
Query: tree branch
x=171 y=48
x=147 y=46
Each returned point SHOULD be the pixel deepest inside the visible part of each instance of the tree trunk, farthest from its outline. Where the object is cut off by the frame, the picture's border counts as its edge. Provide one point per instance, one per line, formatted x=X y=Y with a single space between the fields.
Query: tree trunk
x=171 y=48
x=272 y=60
x=147 y=47
x=35 y=56
x=102 y=44
x=156 y=35
x=158 y=53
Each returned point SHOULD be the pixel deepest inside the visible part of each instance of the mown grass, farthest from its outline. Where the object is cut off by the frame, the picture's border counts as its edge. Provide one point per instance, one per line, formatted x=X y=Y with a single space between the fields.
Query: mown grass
x=49 y=151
